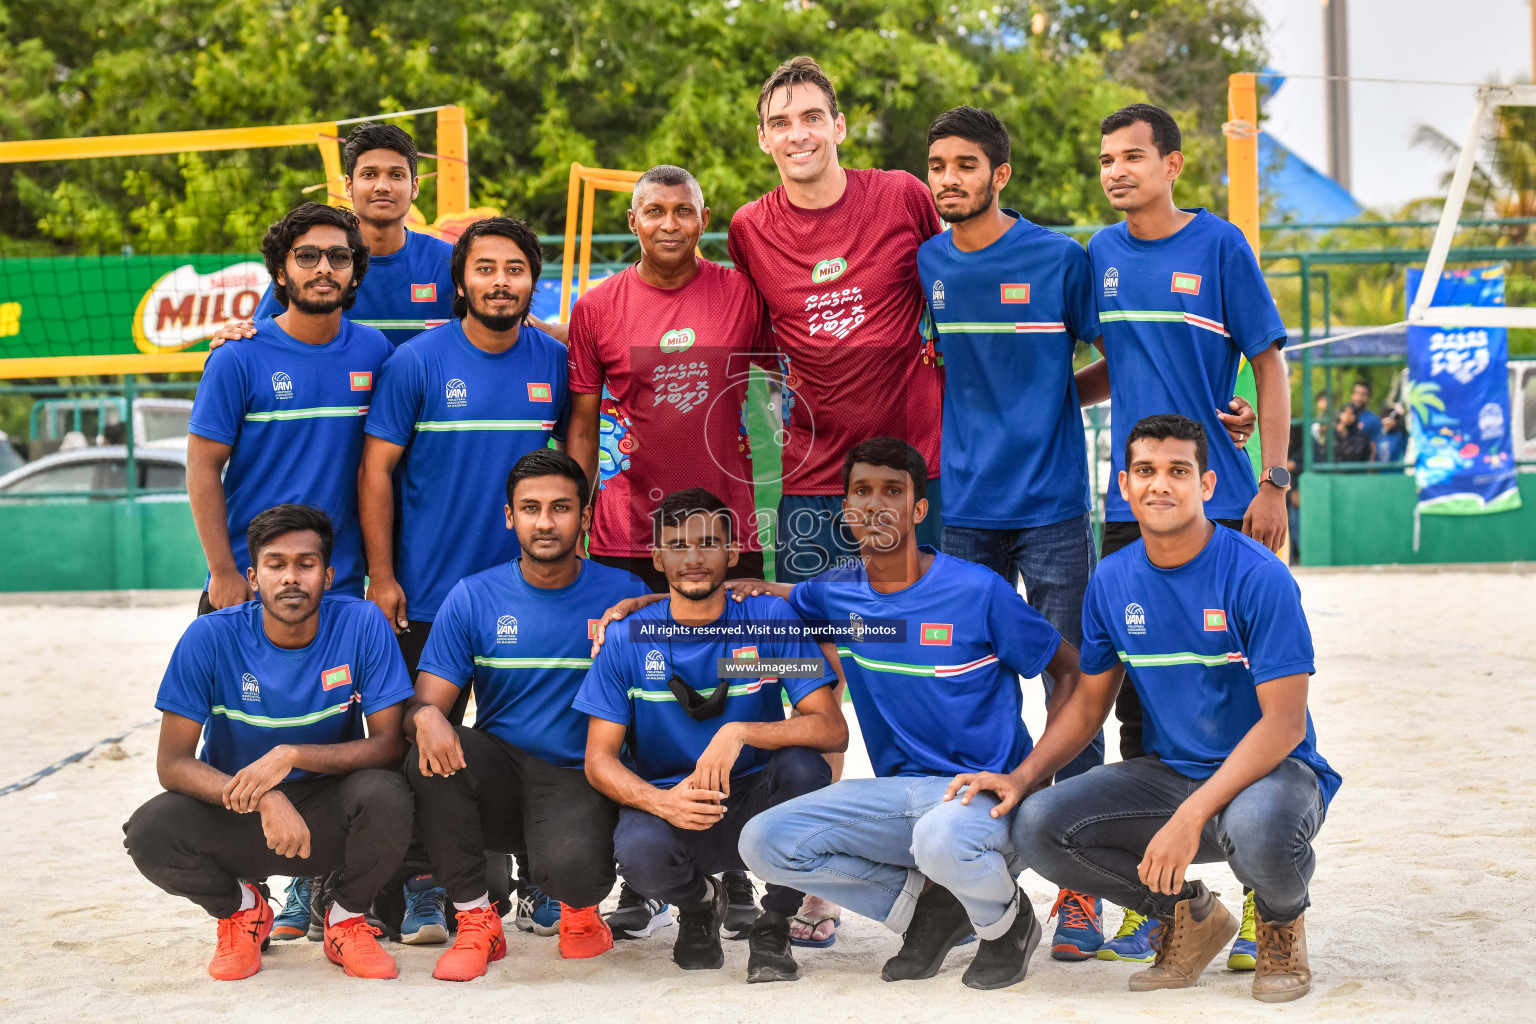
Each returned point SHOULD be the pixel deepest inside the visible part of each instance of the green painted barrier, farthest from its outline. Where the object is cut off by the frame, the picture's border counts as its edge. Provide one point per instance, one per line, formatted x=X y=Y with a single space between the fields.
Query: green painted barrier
x=99 y=545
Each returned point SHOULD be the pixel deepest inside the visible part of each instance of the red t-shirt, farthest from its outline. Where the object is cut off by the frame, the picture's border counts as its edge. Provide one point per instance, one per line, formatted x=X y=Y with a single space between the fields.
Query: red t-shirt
x=675 y=363
x=845 y=301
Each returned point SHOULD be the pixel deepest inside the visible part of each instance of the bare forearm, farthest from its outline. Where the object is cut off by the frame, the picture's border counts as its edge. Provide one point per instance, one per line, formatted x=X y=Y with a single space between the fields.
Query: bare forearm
x=383 y=751
x=376 y=515
x=1071 y=726
x=191 y=777
x=1268 y=743
x=1093 y=383
x=818 y=732
x=210 y=515
x=1272 y=388
x=610 y=778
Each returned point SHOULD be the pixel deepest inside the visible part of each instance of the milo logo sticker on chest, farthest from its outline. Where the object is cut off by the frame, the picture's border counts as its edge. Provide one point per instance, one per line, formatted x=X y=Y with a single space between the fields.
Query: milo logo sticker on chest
x=828 y=270
x=680 y=340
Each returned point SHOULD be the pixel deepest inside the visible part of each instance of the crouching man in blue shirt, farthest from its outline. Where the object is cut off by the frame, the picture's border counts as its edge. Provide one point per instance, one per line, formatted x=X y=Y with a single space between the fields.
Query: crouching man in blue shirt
x=690 y=756
x=288 y=781
x=1208 y=624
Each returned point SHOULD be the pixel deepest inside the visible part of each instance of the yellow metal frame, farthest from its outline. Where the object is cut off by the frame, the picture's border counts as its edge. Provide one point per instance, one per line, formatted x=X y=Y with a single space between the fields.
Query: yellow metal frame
x=1243 y=155
x=452 y=198
x=581 y=197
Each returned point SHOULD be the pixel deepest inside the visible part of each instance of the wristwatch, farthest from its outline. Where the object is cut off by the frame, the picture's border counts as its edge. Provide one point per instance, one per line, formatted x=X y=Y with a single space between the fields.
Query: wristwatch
x=1277 y=475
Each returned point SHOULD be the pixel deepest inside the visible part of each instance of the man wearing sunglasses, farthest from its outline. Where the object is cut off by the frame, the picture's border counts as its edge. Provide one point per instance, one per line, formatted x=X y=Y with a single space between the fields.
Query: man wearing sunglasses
x=284 y=411
x=708 y=747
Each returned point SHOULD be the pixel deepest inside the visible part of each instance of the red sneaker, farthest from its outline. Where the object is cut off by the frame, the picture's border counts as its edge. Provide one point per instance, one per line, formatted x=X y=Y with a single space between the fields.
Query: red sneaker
x=480 y=942
x=242 y=937
x=583 y=933
x=351 y=944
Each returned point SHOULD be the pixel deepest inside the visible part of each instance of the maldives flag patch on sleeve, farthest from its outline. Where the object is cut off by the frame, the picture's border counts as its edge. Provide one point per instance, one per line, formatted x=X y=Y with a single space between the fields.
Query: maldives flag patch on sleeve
x=937 y=634
x=1215 y=620
x=362 y=380
x=338 y=676
x=1016 y=293
x=539 y=393
x=424 y=292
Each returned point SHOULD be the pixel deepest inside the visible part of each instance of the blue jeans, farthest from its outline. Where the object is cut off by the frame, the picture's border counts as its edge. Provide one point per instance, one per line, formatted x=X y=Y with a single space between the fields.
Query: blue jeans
x=665 y=862
x=1090 y=833
x=869 y=844
x=810 y=536
x=1056 y=561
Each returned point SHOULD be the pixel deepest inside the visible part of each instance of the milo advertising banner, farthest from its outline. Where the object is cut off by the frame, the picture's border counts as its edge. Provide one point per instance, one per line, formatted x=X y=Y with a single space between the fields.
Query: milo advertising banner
x=1458 y=401
x=105 y=305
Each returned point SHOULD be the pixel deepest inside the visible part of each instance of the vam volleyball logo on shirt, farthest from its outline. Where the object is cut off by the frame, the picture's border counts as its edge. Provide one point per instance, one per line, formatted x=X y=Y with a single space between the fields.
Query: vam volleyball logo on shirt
x=1135 y=619
x=655 y=666
x=282 y=385
x=1111 y=283
x=250 y=689
x=456 y=393
x=938 y=294
x=506 y=630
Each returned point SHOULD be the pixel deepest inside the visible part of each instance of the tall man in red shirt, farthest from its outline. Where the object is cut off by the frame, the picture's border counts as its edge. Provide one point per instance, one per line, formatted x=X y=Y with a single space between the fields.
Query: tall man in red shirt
x=834 y=254
x=660 y=355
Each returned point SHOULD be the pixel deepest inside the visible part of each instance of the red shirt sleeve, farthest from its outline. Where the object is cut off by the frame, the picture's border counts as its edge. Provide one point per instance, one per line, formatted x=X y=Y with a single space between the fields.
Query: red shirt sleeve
x=733 y=244
x=585 y=371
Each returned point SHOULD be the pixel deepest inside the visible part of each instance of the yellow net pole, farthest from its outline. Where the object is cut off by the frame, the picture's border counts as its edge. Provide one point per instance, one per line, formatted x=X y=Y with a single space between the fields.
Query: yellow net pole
x=589 y=200
x=452 y=162
x=568 y=255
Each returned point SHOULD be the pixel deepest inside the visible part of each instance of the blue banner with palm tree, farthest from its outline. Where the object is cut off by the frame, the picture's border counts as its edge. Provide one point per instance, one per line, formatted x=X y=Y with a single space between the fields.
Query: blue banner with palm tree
x=1458 y=399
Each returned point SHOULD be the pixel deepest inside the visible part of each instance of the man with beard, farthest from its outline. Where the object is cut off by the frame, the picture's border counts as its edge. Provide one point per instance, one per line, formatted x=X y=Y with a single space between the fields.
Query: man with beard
x=474 y=394
x=284 y=410
x=518 y=633
x=298 y=703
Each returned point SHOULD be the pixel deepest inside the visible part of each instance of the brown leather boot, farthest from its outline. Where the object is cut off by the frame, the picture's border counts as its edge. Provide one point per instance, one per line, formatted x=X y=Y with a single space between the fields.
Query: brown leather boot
x=1280 y=972
x=1189 y=940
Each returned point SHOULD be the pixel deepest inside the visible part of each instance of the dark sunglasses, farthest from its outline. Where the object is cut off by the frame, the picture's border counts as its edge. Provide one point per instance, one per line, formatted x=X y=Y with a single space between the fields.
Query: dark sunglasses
x=308 y=256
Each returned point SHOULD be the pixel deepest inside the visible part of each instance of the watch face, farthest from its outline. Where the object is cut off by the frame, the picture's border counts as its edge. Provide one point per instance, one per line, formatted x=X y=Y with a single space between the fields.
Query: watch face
x=1279 y=476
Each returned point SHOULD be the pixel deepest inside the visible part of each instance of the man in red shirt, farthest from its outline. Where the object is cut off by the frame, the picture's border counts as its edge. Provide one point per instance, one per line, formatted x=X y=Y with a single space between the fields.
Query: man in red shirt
x=672 y=339
x=834 y=254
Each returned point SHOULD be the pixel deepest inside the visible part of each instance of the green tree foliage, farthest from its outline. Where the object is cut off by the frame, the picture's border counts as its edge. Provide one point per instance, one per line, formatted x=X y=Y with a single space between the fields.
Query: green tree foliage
x=619 y=83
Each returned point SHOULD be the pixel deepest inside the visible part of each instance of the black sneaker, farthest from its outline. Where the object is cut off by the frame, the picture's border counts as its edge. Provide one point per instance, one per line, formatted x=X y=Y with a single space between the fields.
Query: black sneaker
x=769 y=957
x=938 y=925
x=637 y=916
x=698 y=931
x=740 y=905
x=1004 y=961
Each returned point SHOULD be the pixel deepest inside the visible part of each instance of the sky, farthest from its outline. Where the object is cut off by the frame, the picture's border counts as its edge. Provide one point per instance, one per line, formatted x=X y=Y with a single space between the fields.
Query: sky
x=1438 y=40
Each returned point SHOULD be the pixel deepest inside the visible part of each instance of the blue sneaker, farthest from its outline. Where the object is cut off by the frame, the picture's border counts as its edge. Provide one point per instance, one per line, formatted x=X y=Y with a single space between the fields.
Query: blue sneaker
x=1245 y=948
x=293 y=922
x=1133 y=942
x=426 y=912
x=1080 y=929
x=537 y=912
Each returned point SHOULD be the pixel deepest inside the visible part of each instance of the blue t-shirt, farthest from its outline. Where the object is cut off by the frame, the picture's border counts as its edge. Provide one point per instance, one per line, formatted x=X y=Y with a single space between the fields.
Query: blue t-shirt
x=293 y=416
x=466 y=416
x=526 y=650
x=1391 y=447
x=947 y=699
x=403 y=294
x=1370 y=424
x=628 y=685
x=1007 y=318
x=1178 y=314
x=1197 y=641
x=251 y=695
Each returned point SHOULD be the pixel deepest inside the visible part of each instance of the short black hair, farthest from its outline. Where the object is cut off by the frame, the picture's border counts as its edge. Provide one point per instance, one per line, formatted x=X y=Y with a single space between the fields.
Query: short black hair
x=282 y=234
x=506 y=227
x=892 y=453
x=973 y=124
x=667 y=175
x=368 y=136
x=549 y=462
x=284 y=519
x=677 y=507
x=1165 y=130
x=1170 y=425
x=1363 y=382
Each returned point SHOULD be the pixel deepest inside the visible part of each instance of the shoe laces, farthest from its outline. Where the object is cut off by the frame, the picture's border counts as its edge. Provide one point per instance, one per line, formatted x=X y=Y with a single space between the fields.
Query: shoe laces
x=228 y=929
x=1076 y=910
x=424 y=902
x=1247 y=929
x=473 y=922
x=357 y=929
x=297 y=903
x=1130 y=924
x=739 y=890
x=630 y=898
x=533 y=899
x=580 y=921
x=1276 y=945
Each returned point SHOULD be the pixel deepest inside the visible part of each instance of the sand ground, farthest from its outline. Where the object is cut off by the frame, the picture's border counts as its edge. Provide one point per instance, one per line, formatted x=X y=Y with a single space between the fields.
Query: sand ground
x=1425 y=700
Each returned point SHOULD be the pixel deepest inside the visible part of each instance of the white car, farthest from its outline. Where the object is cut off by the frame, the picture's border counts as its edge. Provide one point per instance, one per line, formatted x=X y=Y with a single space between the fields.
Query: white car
x=102 y=468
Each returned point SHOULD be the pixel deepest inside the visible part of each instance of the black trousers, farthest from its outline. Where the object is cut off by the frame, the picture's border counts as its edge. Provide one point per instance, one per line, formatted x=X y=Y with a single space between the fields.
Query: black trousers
x=1128 y=704
x=748 y=567
x=358 y=823
x=665 y=862
x=507 y=800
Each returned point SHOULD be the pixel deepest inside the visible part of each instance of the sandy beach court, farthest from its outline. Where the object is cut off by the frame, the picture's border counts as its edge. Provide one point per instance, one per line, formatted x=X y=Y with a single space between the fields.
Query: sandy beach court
x=1425 y=700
